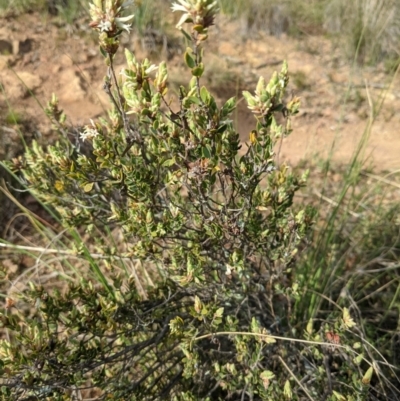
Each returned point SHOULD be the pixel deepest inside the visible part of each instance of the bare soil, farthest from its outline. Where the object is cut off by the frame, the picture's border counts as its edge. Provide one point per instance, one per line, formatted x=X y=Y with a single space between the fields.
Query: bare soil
x=39 y=58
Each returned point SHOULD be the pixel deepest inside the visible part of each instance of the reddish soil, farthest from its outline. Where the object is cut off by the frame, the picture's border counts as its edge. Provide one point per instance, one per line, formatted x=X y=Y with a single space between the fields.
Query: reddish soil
x=337 y=100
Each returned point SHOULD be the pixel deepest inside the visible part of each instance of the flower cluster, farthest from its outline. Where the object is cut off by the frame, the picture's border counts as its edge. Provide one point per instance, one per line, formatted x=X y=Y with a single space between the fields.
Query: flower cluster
x=89 y=132
x=199 y=12
x=268 y=97
x=106 y=16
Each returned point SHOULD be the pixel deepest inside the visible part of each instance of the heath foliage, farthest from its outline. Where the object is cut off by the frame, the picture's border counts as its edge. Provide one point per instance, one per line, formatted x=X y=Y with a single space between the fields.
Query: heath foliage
x=163 y=181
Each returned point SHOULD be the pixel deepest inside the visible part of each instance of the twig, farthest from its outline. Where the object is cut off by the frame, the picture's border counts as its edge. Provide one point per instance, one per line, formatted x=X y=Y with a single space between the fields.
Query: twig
x=7 y=129
x=371 y=85
x=334 y=203
x=270 y=336
x=295 y=378
x=389 y=266
x=29 y=213
x=378 y=178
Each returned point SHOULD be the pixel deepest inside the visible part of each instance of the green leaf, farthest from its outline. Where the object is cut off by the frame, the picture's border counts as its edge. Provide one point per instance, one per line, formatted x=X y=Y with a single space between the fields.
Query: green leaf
x=198 y=71
x=251 y=101
x=88 y=187
x=338 y=396
x=168 y=163
x=189 y=60
x=261 y=85
x=219 y=312
x=206 y=152
x=222 y=128
x=130 y=58
x=103 y=52
x=145 y=112
x=287 y=390
x=266 y=376
x=186 y=35
x=367 y=376
x=194 y=100
x=205 y=95
x=228 y=107
x=347 y=319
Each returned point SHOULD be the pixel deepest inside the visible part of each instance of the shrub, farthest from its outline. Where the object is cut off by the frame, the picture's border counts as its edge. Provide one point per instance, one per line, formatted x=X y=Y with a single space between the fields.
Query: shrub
x=167 y=185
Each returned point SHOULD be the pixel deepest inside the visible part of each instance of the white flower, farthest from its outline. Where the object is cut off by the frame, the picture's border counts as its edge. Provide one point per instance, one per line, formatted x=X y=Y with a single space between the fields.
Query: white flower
x=185 y=7
x=150 y=69
x=89 y=133
x=199 y=11
x=104 y=26
x=120 y=22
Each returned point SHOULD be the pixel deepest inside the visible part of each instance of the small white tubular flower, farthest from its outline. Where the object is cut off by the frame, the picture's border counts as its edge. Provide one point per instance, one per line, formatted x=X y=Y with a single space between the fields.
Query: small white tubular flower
x=182 y=20
x=106 y=16
x=200 y=12
x=105 y=26
x=184 y=6
x=150 y=69
x=120 y=22
x=89 y=132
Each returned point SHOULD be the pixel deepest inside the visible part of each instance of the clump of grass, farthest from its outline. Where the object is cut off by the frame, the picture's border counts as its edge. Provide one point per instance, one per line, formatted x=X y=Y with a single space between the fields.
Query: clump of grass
x=68 y=8
x=20 y=6
x=370 y=29
x=13 y=118
x=391 y=64
x=68 y=11
x=354 y=258
x=277 y=17
x=300 y=80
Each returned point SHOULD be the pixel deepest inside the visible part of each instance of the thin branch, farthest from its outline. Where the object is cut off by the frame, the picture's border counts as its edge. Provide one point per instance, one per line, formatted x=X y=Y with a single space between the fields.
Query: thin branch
x=336 y=204
x=296 y=379
x=378 y=178
x=273 y=337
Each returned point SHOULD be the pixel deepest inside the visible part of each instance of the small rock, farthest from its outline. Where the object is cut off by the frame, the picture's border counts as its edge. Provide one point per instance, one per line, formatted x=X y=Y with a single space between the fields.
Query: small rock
x=26 y=59
x=30 y=80
x=13 y=90
x=4 y=32
x=55 y=69
x=92 y=52
x=66 y=61
x=71 y=87
x=20 y=87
